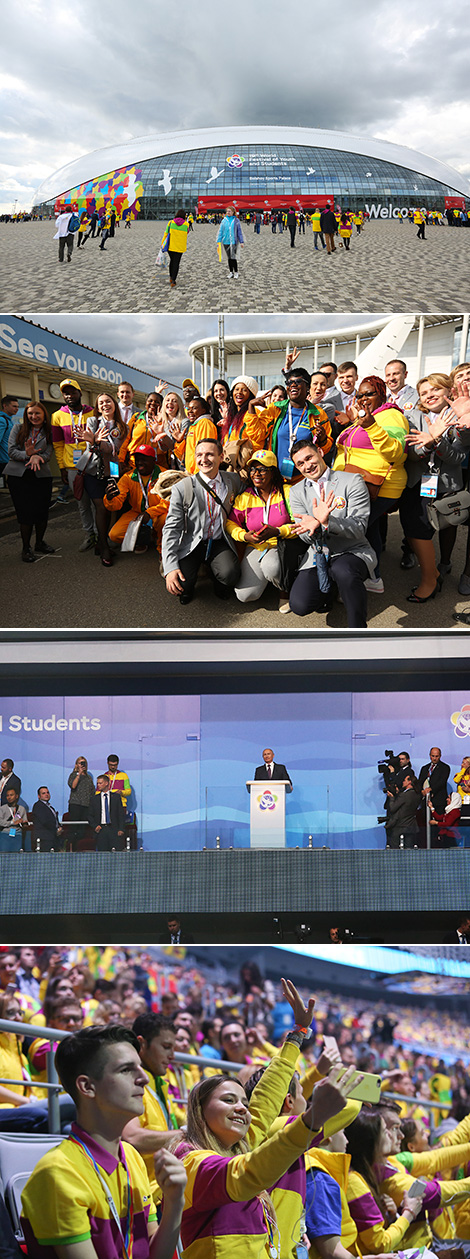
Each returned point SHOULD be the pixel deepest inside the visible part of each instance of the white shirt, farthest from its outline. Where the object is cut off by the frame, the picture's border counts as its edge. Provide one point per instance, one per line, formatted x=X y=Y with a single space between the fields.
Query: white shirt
x=321 y=484
x=213 y=523
x=105 y=795
x=348 y=398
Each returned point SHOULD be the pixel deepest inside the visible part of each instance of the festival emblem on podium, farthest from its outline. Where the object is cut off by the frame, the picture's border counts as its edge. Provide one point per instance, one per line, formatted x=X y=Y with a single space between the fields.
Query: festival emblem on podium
x=235 y=161
x=267 y=800
x=461 y=721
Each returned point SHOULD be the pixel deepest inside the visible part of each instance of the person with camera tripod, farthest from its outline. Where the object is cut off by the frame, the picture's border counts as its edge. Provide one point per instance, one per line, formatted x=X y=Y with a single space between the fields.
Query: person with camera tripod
x=401 y=825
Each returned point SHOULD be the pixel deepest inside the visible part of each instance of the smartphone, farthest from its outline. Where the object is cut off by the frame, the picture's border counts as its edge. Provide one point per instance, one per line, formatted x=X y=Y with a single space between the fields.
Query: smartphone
x=114 y=468
x=369 y=1088
x=417 y=1189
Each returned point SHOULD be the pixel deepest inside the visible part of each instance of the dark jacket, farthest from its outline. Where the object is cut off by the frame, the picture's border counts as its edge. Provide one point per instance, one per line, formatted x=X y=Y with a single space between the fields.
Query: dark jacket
x=402 y=813
x=13 y=784
x=437 y=782
x=117 y=812
x=328 y=222
x=279 y=773
x=46 y=823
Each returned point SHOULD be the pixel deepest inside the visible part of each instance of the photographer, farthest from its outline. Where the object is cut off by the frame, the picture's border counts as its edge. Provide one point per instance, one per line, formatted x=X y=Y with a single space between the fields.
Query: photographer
x=401 y=825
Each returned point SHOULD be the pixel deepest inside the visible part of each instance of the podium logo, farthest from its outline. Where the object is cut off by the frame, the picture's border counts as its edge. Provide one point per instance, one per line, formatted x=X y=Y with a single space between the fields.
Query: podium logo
x=267 y=801
x=461 y=721
x=235 y=161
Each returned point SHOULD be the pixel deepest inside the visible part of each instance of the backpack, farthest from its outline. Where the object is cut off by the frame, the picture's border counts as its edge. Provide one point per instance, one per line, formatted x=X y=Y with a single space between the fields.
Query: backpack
x=73 y=223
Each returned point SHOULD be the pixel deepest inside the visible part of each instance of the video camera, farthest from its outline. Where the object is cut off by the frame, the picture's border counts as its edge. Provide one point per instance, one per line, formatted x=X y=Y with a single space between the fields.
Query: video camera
x=390 y=760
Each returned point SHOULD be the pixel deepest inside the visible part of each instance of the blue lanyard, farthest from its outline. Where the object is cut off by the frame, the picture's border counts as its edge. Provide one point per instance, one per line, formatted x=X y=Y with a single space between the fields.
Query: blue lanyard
x=127 y=1237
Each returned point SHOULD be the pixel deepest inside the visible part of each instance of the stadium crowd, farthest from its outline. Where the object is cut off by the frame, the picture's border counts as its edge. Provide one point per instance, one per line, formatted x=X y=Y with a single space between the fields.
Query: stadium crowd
x=291 y=487
x=279 y=1159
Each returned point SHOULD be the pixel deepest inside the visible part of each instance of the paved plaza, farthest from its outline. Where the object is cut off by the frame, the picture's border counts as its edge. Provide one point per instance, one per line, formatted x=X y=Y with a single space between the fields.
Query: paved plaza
x=386 y=269
x=70 y=590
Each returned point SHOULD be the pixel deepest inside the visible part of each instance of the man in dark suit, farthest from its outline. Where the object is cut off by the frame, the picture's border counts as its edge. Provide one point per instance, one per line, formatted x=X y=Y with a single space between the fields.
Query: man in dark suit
x=432 y=780
x=401 y=821
x=461 y=935
x=174 y=934
x=271 y=770
x=46 y=821
x=107 y=817
x=8 y=780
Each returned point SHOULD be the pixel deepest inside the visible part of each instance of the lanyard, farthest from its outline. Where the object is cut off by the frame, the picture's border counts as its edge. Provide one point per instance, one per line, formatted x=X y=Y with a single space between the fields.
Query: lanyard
x=163 y=1107
x=77 y=426
x=127 y=1238
x=292 y=432
x=266 y=507
x=145 y=490
x=274 y=1251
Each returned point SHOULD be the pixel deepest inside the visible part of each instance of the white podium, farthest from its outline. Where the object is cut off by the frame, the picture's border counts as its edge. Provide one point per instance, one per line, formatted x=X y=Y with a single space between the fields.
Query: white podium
x=268 y=813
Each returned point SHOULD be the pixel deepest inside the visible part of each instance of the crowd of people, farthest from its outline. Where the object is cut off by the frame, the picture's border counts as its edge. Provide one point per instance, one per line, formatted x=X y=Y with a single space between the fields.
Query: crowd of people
x=409 y=797
x=289 y=1154
x=290 y=488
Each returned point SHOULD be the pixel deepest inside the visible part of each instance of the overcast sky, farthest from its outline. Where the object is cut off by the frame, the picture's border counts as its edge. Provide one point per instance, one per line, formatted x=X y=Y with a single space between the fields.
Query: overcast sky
x=82 y=75
x=159 y=345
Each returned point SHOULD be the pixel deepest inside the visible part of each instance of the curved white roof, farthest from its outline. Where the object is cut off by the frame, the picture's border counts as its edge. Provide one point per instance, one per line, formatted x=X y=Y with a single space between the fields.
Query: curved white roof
x=101 y=161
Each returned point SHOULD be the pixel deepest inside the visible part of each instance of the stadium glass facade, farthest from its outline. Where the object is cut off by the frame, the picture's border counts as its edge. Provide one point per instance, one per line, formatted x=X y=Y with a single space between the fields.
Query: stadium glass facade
x=269 y=171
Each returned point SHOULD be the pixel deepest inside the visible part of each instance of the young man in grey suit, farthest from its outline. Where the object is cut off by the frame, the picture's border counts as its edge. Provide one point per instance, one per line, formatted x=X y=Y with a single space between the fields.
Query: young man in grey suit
x=194 y=530
x=331 y=509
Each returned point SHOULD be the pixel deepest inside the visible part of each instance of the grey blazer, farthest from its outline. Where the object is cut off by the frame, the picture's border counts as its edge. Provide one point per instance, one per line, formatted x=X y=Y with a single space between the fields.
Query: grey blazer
x=182 y=530
x=449 y=456
x=18 y=457
x=346 y=531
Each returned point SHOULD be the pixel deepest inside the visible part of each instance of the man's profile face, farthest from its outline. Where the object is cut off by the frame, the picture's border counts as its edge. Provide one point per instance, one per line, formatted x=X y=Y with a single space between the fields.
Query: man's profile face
x=120 y=1088
x=268 y=756
x=5 y=768
x=8 y=969
x=157 y=1053
x=102 y=784
x=11 y=408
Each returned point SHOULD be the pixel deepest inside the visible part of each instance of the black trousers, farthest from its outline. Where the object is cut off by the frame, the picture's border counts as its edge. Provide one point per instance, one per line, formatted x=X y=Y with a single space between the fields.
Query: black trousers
x=223 y=563
x=175 y=259
x=292 y=229
x=349 y=572
x=108 y=838
x=410 y=838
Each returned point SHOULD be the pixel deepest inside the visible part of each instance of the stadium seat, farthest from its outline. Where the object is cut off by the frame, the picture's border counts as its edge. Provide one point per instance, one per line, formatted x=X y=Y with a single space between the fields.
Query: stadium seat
x=18 y=1158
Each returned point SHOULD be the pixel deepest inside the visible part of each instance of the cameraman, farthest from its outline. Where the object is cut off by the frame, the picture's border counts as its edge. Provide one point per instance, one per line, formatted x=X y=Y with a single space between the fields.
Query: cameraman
x=401 y=825
x=393 y=771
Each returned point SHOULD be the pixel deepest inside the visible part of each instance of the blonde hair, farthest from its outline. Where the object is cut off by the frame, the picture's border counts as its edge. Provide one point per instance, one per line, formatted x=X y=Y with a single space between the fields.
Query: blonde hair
x=455 y=370
x=434 y=378
x=163 y=409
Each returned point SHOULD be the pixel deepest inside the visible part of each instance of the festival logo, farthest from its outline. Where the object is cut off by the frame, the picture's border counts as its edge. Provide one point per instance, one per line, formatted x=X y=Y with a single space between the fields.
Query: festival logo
x=235 y=161
x=267 y=801
x=461 y=721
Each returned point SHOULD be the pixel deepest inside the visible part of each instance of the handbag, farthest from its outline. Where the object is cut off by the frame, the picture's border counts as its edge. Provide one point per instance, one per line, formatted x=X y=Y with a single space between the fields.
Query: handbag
x=291 y=552
x=373 y=480
x=78 y=486
x=451 y=509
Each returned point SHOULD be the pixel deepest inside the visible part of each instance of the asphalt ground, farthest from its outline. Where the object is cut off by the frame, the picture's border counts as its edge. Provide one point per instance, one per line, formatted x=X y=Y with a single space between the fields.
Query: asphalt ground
x=71 y=590
x=387 y=268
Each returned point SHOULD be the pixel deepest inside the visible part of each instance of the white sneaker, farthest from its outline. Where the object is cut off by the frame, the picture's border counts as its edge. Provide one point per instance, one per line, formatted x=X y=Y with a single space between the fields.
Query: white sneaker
x=375 y=585
x=235 y=275
x=284 y=605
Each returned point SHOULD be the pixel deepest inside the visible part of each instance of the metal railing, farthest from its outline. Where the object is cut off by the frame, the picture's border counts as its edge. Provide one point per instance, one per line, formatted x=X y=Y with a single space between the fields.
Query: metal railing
x=423 y=1103
x=54 y=1087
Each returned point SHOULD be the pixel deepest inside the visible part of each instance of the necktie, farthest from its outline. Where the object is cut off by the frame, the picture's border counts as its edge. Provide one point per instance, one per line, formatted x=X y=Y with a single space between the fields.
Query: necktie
x=106 y=809
x=270 y=771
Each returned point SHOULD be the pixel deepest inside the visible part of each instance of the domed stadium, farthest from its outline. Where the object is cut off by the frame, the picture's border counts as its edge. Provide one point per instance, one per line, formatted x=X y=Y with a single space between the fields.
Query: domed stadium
x=255 y=167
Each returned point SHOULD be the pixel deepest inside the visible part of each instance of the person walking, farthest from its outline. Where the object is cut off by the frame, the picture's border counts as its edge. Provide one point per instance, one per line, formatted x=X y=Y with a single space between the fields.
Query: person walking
x=230 y=235
x=175 y=241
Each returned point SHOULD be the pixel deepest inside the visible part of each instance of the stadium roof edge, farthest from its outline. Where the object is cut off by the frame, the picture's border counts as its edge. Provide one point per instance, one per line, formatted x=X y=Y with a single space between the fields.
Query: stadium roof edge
x=140 y=148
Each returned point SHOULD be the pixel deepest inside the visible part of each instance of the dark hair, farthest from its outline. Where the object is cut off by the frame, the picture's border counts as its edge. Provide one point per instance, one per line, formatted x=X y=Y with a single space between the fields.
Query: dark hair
x=9 y=762
x=150 y=1025
x=126 y=382
x=26 y=426
x=303 y=441
x=85 y=1052
x=154 y=394
x=228 y=1023
x=214 y=405
x=282 y=387
x=254 y=1079
x=180 y=214
x=112 y=757
x=318 y=372
x=44 y=788
x=396 y=360
x=255 y=973
x=299 y=371
x=236 y=416
x=101 y=777
x=329 y=364
x=363 y=1139
x=9 y=397
x=409 y=1132
x=347 y=366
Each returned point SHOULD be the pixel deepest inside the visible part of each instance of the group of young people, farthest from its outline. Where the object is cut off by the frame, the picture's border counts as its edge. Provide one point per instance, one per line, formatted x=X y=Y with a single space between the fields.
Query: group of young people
x=275 y=1158
x=291 y=487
